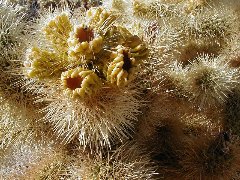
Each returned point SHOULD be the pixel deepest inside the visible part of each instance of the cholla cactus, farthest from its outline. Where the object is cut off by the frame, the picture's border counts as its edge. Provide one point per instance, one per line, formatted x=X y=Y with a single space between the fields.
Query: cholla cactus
x=11 y=41
x=12 y=27
x=28 y=159
x=210 y=80
x=15 y=125
x=162 y=74
x=122 y=164
x=98 y=120
x=212 y=160
x=73 y=69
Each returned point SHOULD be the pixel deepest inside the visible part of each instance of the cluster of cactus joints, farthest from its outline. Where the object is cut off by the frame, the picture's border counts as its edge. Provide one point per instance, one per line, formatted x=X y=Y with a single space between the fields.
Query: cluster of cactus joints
x=81 y=71
x=206 y=81
x=211 y=79
x=12 y=26
x=128 y=162
x=84 y=45
x=209 y=84
x=88 y=81
x=212 y=158
x=12 y=43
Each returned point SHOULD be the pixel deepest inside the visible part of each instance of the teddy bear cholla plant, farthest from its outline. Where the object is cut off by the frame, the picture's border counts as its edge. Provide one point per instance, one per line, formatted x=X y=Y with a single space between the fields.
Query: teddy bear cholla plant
x=177 y=82
x=206 y=81
x=210 y=80
x=17 y=115
x=193 y=48
x=11 y=28
x=33 y=160
x=213 y=158
x=222 y=35
x=83 y=69
x=127 y=162
x=11 y=43
x=87 y=84
x=16 y=125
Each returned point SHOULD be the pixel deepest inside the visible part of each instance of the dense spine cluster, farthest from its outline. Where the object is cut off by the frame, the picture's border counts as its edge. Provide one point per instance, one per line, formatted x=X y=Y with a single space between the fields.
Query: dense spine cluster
x=118 y=89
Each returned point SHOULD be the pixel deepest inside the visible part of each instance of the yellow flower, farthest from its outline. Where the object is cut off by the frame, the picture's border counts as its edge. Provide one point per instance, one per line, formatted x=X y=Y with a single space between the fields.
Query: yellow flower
x=43 y=64
x=97 y=16
x=83 y=44
x=121 y=70
x=79 y=82
x=119 y=35
x=194 y=4
x=57 y=32
x=140 y=7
